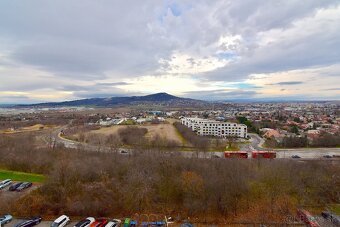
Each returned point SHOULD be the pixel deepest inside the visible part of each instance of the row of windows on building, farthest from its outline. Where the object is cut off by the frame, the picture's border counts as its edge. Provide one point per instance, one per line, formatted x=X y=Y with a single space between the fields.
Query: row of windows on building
x=224 y=128
x=220 y=124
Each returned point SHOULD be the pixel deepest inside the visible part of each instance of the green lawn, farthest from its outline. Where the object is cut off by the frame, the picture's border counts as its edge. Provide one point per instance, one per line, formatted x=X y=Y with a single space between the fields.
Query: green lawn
x=233 y=148
x=335 y=209
x=21 y=176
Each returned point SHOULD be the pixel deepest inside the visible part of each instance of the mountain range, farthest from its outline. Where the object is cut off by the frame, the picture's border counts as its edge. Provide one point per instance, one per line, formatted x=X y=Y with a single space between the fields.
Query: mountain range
x=163 y=99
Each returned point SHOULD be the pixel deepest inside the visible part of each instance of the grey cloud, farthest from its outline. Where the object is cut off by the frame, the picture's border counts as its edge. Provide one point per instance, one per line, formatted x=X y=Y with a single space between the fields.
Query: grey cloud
x=16 y=97
x=332 y=89
x=113 y=84
x=83 y=41
x=221 y=94
x=287 y=83
x=98 y=90
x=252 y=16
x=97 y=86
x=105 y=94
x=290 y=83
x=128 y=38
x=291 y=55
x=86 y=40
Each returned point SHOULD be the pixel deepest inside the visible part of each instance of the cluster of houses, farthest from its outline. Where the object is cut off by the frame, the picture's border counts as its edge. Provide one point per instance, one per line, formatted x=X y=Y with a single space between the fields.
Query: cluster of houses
x=277 y=119
x=150 y=117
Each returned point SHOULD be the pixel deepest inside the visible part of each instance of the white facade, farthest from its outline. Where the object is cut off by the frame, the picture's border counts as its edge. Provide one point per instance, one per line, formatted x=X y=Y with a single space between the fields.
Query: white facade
x=206 y=127
x=109 y=122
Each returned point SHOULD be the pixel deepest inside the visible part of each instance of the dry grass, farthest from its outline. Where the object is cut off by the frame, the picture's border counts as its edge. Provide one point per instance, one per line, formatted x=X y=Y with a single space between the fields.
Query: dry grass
x=167 y=131
x=32 y=128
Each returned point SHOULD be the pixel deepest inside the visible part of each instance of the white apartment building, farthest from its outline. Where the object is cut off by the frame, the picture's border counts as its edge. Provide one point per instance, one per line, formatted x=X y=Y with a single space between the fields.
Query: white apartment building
x=206 y=127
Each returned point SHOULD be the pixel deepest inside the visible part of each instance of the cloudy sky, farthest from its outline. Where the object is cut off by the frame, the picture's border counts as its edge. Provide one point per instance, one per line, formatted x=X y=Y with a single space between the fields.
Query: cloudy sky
x=206 y=49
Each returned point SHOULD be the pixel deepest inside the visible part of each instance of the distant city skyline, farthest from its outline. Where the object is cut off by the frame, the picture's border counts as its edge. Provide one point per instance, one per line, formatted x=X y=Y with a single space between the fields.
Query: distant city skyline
x=209 y=50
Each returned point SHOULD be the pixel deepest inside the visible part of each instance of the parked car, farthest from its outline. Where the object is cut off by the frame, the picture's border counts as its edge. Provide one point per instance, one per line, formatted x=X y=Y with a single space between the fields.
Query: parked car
x=124 y=152
x=24 y=186
x=307 y=218
x=187 y=224
x=296 y=156
x=85 y=222
x=113 y=223
x=30 y=222
x=133 y=223
x=215 y=156
x=5 y=183
x=127 y=222
x=61 y=221
x=327 y=156
x=100 y=222
x=5 y=219
x=335 y=219
x=130 y=223
x=14 y=186
x=154 y=224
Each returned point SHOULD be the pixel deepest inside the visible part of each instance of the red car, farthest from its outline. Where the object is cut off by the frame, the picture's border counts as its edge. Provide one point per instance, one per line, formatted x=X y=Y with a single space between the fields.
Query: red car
x=100 y=222
x=307 y=218
x=235 y=154
x=263 y=154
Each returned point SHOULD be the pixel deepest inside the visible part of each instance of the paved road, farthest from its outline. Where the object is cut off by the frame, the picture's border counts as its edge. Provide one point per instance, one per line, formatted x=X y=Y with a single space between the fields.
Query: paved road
x=323 y=222
x=256 y=143
x=308 y=153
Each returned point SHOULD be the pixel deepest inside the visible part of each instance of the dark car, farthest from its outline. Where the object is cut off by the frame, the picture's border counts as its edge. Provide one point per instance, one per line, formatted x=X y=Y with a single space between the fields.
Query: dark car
x=124 y=152
x=30 y=222
x=296 y=156
x=24 y=186
x=325 y=214
x=14 y=186
x=187 y=224
x=85 y=222
x=328 y=156
x=331 y=217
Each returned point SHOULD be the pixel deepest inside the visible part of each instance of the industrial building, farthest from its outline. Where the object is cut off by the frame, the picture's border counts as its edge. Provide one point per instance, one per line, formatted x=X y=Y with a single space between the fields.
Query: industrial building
x=206 y=127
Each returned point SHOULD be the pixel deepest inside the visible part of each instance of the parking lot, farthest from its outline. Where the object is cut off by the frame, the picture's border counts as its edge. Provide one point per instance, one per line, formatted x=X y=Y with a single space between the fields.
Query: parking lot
x=42 y=224
x=6 y=194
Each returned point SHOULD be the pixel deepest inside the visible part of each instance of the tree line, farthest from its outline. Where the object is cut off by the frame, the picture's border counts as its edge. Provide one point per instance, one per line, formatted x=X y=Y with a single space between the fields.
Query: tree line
x=83 y=183
x=322 y=140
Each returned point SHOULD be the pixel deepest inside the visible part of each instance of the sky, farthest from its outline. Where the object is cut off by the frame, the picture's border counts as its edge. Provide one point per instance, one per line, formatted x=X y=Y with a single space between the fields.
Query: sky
x=205 y=49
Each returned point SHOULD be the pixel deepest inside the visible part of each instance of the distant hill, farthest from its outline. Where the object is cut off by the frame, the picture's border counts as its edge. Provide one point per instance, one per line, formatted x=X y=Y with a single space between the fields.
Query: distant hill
x=163 y=99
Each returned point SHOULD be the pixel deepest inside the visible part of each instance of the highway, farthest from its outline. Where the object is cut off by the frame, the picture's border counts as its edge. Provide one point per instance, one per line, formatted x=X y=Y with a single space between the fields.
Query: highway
x=256 y=143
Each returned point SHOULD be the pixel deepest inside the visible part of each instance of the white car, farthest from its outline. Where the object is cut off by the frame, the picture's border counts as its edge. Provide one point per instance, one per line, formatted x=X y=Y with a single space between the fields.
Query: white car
x=5 y=183
x=113 y=223
x=61 y=221
x=5 y=219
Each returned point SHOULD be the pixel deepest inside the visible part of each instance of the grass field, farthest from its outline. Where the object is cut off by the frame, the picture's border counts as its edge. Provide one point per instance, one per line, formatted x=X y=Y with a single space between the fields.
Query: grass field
x=335 y=209
x=21 y=176
x=32 y=128
x=167 y=131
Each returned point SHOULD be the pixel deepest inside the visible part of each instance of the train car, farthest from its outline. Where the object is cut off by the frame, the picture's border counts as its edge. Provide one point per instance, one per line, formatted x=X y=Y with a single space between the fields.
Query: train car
x=263 y=154
x=235 y=154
